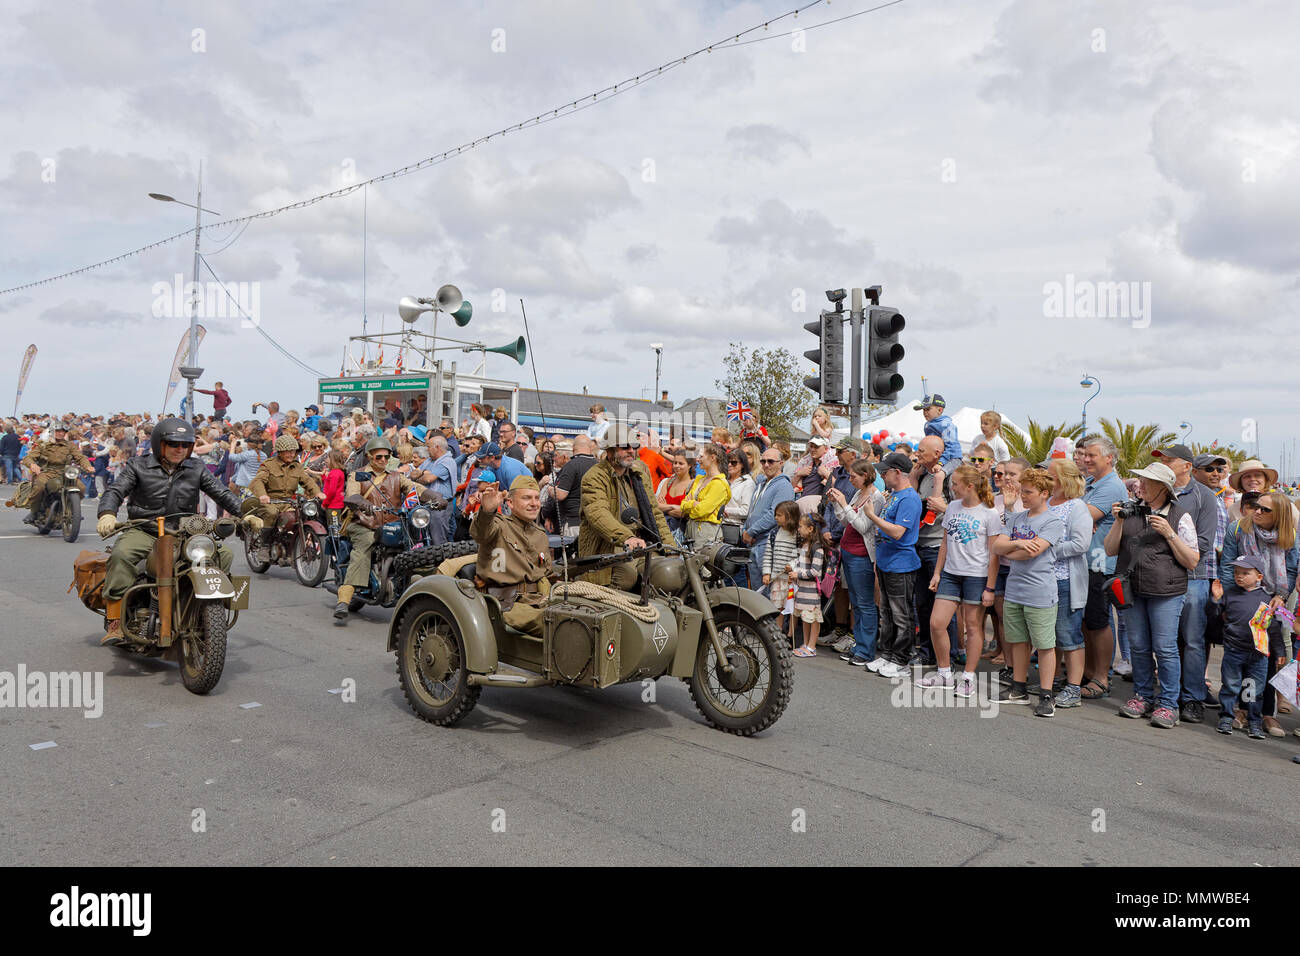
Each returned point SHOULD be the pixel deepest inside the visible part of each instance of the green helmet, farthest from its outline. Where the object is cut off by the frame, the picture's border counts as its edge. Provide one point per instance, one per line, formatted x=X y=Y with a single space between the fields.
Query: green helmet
x=286 y=443
x=377 y=443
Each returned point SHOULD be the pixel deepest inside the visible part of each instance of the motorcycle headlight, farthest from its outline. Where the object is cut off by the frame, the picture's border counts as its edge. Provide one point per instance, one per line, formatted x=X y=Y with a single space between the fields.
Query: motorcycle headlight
x=310 y=509
x=420 y=518
x=200 y=548
x=72 y=473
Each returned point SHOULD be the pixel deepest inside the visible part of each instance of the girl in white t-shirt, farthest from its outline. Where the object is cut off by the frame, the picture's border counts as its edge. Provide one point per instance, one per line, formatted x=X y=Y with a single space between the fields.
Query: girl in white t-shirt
x=965 y=575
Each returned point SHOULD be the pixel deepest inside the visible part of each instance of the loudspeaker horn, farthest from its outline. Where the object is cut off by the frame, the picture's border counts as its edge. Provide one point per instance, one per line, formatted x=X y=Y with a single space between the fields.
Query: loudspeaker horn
x=410 y=309
x=517 y=350
x=448 y=298
x=462 y=315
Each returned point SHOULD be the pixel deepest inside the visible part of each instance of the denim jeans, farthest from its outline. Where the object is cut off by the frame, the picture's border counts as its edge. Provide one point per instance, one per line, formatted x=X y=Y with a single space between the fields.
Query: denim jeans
x=11 y=468
x=897 y=626
x=1121 y=639
x=1069 y=624
x=1242 y=664
x=1191 y=633
x=859 y=580
x=1153 y=642
x=925 y=603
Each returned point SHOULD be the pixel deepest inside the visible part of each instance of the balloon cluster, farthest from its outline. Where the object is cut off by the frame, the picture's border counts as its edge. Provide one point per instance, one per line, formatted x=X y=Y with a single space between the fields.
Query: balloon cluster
x=879 y=438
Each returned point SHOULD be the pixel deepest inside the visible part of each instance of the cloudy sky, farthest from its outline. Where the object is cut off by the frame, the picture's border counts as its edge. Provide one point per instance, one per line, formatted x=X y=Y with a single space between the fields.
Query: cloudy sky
x=963 y=155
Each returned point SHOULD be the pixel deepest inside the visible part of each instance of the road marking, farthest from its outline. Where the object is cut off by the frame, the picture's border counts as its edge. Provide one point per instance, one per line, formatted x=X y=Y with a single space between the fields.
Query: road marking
x=43 y=746
x=249 y=706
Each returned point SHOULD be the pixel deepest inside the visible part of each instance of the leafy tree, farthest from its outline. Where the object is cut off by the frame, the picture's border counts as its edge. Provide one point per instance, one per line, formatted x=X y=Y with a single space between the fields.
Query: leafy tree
x=1135 y=443
x=1036 y=442
x=1234 y=454
x=770 y=380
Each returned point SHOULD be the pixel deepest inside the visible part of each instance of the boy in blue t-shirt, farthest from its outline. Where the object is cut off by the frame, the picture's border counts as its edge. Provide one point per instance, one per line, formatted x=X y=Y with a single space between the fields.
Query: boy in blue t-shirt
x=938 y=423
x=896 y=566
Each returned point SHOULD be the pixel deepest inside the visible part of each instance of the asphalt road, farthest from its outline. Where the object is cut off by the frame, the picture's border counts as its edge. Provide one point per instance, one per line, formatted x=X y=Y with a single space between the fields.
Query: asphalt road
x=575 y=776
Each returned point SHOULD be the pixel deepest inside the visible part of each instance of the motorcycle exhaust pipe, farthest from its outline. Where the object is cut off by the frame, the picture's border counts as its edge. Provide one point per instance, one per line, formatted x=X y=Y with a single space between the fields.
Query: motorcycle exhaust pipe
x=164 y=551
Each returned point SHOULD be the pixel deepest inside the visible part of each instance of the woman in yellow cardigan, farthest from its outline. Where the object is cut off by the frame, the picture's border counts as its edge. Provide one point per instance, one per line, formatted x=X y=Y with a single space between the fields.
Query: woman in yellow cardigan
x=703 y=503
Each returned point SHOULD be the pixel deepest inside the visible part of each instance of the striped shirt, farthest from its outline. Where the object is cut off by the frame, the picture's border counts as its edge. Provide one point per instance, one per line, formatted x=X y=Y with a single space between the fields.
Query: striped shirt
x=782 y=549
x=805 y=577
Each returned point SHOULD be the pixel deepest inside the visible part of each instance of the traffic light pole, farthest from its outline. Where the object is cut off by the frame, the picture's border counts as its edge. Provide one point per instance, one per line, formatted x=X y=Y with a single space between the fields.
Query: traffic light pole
x=855 y=356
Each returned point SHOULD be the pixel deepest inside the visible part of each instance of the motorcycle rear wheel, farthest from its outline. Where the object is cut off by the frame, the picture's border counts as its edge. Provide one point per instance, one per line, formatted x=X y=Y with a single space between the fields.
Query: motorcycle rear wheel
x=760 y=699
x=309 y=560
x=204 y=656
x=250 y=548
x=52 y=519
x=72 y=518
x=431 y=664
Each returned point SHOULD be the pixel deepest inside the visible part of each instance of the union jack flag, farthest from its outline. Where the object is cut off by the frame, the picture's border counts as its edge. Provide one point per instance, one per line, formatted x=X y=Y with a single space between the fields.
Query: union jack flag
x=412 y=499
x=739 y=409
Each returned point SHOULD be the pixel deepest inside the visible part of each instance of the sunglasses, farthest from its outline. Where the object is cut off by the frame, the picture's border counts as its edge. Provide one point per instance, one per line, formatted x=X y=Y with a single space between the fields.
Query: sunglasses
x=380 y=457
x=999 y=474
x=176 y=444
x=1267 y=511
x=1215 y=468
x=770 y=461
x=978 y=461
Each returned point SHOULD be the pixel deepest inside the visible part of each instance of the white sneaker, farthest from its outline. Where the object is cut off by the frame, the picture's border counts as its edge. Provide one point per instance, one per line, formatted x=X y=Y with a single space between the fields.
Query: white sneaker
x=935 y=679
x=892 y=671
x=965 y=686
x=844 y=644
x=876 y=665
x=1123 y=668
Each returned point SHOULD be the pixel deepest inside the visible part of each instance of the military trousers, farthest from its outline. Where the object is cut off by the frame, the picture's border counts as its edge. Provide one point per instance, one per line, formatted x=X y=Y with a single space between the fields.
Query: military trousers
x=363 y=542
x=132 y=547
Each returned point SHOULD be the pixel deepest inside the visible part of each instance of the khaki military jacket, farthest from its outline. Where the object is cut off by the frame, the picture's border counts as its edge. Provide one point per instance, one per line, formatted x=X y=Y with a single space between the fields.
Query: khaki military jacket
x=278 y=480
x=511 y=552
x=57 y=454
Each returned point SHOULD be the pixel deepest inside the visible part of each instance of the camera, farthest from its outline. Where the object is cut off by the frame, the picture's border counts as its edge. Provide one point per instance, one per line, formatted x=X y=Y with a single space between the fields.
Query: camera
x=1133 y=509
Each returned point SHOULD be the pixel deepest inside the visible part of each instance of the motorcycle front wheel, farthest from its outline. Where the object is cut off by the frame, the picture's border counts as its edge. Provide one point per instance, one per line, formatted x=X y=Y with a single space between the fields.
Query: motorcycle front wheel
x=755 y=694
x=203 y=656
x=250 y=549
x=309 y=560
x=72 y=518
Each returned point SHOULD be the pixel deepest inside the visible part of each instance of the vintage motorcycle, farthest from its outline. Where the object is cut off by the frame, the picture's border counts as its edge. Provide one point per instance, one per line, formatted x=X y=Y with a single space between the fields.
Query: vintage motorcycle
x=393 y=559
x=182 y=604
x=725 y=642
x=62 y=507
x=297 y=538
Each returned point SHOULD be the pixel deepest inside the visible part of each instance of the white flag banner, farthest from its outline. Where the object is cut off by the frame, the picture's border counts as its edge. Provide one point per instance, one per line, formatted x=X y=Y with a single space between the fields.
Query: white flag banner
x=28 y=358
x=174 y=378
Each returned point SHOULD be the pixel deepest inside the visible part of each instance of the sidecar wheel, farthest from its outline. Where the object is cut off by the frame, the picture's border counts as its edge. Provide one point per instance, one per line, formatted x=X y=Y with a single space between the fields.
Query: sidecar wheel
x=756 y=693
x=431 y=664
x=203 y=656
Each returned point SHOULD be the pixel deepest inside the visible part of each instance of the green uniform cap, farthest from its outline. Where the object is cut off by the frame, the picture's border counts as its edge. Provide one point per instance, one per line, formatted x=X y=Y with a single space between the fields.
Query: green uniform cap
x=524 y=481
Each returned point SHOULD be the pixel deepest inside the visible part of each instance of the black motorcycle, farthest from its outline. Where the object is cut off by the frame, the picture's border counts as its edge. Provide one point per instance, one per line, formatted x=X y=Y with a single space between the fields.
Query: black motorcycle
x=62 y=506
x=296 y=538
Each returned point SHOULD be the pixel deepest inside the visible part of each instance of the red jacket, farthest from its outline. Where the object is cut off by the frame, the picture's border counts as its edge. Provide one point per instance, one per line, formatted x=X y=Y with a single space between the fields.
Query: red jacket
x=220 y=397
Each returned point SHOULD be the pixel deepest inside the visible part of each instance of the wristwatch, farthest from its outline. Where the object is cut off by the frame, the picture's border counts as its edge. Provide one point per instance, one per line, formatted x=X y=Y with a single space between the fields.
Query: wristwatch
x=991 y=590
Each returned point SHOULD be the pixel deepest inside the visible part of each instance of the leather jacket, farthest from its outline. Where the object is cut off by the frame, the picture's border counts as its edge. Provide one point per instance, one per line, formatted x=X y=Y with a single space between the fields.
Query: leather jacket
x=150 y=491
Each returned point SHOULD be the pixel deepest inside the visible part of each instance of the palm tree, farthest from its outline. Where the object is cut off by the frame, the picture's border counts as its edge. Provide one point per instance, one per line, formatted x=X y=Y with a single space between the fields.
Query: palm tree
x=1234 y=454
x=1035 y=443
x=1135 y=443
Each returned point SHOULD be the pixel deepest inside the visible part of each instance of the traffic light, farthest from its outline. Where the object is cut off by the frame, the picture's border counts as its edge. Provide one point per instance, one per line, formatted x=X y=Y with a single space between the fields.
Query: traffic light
x=884 y=352
x=828 y=383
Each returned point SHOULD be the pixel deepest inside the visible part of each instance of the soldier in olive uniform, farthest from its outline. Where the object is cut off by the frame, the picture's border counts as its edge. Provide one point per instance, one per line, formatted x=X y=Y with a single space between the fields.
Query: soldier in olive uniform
x=615 y=483
x=46 y=462
x=367 y=491
x=278 y=477
x=514 y=553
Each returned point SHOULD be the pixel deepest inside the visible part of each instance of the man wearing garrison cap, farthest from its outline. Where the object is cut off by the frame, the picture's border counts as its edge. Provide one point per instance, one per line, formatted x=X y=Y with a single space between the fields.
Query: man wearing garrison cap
x=514 y=556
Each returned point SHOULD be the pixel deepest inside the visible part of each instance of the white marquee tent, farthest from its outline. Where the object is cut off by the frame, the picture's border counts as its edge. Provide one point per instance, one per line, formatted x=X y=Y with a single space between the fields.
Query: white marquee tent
x=909 y=425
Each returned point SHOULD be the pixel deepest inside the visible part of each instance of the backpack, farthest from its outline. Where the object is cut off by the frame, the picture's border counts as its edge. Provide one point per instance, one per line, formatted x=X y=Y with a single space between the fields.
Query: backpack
x=89 y=569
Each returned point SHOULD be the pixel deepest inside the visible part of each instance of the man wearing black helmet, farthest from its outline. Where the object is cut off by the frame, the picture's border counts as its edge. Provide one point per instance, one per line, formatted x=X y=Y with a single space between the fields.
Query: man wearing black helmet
x=164 y=483
x=46 y=462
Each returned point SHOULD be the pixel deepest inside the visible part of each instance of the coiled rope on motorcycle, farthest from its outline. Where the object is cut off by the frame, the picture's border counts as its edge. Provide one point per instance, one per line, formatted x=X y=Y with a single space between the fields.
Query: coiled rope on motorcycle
x=611 y=596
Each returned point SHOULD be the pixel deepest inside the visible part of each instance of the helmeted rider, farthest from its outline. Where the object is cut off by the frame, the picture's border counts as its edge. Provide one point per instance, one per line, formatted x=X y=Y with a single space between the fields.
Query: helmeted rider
x=278 y=477
x=46 y=462
x=366 y=490
x=166 y=482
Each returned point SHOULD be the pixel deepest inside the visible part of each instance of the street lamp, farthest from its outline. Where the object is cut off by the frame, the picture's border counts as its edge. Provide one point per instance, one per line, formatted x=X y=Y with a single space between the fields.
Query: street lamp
x=659 y=355
x=189 y=371
x=1187 y=433
x=1088 y=382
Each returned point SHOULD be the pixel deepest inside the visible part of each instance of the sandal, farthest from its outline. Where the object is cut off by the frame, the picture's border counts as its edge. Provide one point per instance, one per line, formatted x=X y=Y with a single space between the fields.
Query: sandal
x=1087 y=692
x=804 y=652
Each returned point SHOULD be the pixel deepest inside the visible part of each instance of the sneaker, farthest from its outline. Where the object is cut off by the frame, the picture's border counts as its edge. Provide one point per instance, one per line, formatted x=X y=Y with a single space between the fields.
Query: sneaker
x=844 y=644
x=341 y=612
x=1069 y=696
x=874 y=666
x=1136 y=708
x=1005 y=675
x=965 y=686
x=1011 y=694
x=1225 y=726
x=935 y=679
x=892 y=671
x=1123 y=668
x=1193 y=712
x=826 y=640
x=1164 y=718
x=1256 y=732
x=1046 y=707
x=855 y=661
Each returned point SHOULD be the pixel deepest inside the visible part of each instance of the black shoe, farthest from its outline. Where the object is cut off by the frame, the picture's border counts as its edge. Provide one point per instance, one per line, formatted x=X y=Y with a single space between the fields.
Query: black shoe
x=29 y=519
x=1046 y=706
x=1013 y=694
x=341 y=612
x=1004 y=675
x=1193 y=712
